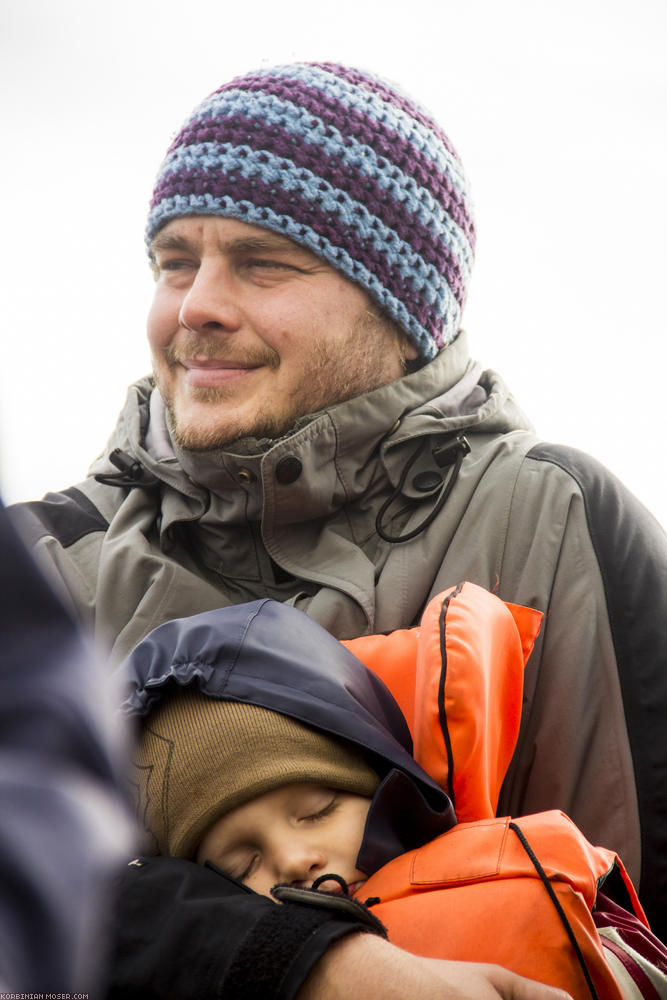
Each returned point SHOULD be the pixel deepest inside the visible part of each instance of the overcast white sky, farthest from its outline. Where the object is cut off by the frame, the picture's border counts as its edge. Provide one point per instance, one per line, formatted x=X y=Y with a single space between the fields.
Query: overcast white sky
x=559 y=111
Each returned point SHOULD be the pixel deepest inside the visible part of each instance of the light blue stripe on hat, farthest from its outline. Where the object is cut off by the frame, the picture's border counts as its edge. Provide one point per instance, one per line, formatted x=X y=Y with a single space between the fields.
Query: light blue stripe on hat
x=246 y=211
x=374 y=107
x=427 y=282
x=395 y=118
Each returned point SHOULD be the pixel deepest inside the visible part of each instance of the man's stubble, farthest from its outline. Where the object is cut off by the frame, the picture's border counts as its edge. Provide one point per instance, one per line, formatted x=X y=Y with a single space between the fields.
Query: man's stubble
x=371 y=355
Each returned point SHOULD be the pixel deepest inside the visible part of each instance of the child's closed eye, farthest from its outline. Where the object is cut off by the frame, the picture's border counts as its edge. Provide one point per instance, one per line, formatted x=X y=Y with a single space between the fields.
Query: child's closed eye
x=321 y=813
x=243 y=868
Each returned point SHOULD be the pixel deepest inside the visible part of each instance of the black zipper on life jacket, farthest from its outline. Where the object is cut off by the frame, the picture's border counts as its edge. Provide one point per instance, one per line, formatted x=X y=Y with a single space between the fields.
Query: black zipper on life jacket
x=544 y=878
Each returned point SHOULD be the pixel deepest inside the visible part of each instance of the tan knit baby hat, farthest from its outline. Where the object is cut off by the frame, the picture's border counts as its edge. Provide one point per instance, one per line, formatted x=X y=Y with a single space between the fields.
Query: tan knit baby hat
x=198 y=758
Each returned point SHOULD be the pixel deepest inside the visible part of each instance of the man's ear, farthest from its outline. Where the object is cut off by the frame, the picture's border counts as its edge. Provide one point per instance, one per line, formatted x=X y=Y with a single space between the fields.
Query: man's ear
x=409 y=355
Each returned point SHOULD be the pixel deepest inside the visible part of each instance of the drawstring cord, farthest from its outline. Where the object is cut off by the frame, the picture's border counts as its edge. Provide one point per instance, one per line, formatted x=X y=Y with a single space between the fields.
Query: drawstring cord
x=131 y=473
x=544 y=878
x=451 y=453
x=331 y=877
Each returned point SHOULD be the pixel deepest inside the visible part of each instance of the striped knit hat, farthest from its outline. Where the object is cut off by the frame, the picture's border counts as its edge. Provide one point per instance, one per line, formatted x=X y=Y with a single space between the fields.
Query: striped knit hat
x=341 y=162
x=198 y=758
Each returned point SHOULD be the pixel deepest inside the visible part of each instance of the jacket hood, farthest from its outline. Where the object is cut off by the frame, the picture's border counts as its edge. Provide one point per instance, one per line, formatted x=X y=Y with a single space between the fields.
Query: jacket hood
x=274 y=656
x=458 y=678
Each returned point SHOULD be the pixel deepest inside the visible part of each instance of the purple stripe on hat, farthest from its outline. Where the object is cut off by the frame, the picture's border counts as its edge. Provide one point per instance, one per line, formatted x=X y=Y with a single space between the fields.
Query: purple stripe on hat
x=380 y=136
x=200 y=181
x=396 y=215
x=349 y=121
x=321 y=226
x=376 y=86
x=309 y=215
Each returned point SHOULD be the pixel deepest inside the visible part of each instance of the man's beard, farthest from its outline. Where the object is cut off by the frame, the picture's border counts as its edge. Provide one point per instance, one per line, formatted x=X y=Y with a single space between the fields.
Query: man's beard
x=334 y=372
x=210 y=438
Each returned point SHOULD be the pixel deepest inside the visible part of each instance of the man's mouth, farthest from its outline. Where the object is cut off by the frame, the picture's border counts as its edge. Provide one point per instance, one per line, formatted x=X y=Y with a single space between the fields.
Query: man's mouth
x=212 y=372
x=215 y=364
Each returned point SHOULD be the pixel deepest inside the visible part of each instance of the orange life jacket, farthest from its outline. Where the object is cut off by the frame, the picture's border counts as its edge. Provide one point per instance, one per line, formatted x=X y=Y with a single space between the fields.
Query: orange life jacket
x=474 y=893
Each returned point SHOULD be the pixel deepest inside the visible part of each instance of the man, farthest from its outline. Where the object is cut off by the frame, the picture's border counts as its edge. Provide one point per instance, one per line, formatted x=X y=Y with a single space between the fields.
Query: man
x=315 y=432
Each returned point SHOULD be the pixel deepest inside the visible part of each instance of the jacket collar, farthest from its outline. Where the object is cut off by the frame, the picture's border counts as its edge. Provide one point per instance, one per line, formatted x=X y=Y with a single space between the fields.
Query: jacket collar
x=340 y=456
x=346 y=433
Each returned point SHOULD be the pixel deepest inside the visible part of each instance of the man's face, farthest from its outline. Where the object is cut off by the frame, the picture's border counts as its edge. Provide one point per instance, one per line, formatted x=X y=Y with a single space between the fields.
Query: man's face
x=249 y=331
x=293 y=834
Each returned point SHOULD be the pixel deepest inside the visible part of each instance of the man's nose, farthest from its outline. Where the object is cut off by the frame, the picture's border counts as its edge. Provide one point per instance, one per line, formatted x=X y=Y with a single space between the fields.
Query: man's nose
x=210 y=304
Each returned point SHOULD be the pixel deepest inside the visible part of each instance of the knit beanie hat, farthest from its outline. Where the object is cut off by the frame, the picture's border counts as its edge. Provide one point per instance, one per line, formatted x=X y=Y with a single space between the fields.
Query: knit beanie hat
x=342 y=162
x=198 y=758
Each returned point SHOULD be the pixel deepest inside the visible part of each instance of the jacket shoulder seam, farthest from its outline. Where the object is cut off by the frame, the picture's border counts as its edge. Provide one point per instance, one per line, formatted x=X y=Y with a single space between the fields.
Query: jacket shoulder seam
x=67 y=516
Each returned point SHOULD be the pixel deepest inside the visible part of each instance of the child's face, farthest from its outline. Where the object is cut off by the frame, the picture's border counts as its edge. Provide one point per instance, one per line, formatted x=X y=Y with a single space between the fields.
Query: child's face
x=292 y=834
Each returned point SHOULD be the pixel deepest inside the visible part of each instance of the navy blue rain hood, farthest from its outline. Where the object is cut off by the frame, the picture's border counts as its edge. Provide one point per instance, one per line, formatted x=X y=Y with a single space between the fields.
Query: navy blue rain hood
x=274 y=656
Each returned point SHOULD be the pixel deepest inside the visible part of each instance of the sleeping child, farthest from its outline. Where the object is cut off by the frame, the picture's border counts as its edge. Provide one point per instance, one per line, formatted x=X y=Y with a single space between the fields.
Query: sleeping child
x=366 y=774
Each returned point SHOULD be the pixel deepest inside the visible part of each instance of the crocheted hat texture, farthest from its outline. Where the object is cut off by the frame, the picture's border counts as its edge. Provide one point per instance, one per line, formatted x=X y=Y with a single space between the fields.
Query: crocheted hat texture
x=344 y=164
x=198 y=758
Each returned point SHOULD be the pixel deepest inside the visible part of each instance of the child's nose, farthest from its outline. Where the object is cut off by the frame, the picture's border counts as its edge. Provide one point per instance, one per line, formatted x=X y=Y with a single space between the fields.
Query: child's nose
x=300 y=865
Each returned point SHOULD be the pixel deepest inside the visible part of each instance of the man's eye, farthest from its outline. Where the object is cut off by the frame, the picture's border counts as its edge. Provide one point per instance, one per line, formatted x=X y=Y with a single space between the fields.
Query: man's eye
x=265 y=264
x=173 y=264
